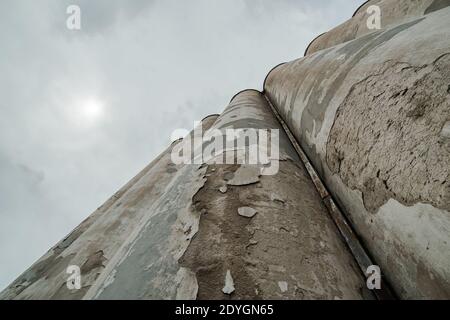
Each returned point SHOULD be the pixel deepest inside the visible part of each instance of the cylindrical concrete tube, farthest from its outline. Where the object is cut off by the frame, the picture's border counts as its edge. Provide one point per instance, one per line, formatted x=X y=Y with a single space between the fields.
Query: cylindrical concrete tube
x=288 y=247
x=373 y=16
x=373 y=115
x=103 y=239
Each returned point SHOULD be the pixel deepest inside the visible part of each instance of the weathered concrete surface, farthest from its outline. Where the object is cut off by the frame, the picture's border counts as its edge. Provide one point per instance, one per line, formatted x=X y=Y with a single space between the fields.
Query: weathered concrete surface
x=290 y=240
x=372 y=115
x=415 y=105
x=393 y=12
x=101 y=242
x=146 y=267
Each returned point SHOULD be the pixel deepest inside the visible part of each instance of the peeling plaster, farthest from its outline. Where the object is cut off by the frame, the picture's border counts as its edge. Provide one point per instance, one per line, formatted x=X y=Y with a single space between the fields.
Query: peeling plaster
x=229 y=284
x=247 y=212
x=412 y=56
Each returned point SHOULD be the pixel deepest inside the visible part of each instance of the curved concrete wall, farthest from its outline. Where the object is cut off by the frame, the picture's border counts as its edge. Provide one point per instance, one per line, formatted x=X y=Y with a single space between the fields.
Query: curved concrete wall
x=393 y=12
x=290 y=249
x=102 y=241
x=373 y=116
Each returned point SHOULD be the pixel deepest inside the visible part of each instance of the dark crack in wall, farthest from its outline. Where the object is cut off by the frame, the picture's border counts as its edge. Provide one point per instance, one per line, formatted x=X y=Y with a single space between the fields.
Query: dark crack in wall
x=437 y=5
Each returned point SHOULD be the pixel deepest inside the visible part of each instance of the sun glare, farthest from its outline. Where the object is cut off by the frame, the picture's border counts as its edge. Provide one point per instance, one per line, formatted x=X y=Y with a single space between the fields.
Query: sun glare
x=91 y=110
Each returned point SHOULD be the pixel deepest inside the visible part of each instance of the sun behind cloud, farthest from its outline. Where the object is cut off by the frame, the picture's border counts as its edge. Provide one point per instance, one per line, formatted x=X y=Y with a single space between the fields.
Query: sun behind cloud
x=92 y=109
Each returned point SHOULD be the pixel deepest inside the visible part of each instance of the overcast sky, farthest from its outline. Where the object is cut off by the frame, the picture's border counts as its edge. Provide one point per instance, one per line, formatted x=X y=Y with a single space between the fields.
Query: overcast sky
x=81 y=112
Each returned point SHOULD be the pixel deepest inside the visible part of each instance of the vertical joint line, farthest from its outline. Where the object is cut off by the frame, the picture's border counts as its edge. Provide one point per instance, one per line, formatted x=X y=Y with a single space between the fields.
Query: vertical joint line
x=339 y=218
